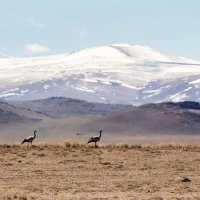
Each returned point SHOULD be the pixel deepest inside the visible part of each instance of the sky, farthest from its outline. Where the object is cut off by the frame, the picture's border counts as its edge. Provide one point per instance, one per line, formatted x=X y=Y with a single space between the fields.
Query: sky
x=48 y=27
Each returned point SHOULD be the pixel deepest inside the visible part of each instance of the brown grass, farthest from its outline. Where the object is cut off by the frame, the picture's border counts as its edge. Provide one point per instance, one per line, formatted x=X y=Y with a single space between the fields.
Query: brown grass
x=118 y=171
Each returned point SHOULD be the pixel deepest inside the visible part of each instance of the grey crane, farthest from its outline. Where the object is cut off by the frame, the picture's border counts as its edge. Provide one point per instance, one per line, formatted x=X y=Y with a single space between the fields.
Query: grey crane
x=95 y=139
x=30 y=138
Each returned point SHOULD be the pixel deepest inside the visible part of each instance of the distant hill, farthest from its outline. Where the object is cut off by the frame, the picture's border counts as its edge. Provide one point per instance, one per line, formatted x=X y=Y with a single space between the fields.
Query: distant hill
x=60 y=117
x=61 y=106
x=10 y=114
x=163 y=118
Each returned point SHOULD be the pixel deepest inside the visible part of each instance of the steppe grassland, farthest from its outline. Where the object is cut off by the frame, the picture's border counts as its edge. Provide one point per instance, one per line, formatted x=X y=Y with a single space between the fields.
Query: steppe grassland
x=78 y=171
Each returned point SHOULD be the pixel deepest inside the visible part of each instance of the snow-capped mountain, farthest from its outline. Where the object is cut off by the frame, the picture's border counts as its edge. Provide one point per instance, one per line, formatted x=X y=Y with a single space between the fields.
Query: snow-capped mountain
x=120 y=73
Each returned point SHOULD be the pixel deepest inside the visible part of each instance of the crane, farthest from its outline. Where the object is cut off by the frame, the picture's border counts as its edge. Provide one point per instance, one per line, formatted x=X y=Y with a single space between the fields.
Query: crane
x=30 y=138
x=95 y=139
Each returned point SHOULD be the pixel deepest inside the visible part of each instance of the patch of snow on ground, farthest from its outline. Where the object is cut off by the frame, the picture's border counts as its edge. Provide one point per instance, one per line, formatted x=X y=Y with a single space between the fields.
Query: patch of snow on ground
x=187 y=89
x=46 y=87
x=195 y=82
x=178 y=97
x=10 y=94
x=85 y=89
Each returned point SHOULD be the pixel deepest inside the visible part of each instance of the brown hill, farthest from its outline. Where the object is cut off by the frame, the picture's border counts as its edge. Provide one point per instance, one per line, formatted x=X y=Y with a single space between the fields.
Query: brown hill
x=61 y=106
x=10 y=114
x=163 y=118
x=150 y=119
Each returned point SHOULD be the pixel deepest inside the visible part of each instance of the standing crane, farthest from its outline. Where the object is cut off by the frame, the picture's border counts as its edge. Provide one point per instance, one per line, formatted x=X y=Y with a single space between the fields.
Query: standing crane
x=30 y=138
x=95 y=139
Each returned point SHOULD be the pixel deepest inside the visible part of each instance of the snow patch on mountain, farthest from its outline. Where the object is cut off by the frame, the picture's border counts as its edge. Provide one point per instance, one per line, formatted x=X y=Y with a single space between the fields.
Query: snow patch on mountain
x=119 y=73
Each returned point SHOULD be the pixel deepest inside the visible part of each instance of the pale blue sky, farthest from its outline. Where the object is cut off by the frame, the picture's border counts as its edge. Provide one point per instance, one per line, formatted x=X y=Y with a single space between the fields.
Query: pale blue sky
x=46 y=27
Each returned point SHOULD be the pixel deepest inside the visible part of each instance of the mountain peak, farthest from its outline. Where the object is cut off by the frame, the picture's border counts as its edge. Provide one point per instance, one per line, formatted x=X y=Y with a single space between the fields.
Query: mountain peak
x=123 y=51
x=142 y=52
x=118 y=73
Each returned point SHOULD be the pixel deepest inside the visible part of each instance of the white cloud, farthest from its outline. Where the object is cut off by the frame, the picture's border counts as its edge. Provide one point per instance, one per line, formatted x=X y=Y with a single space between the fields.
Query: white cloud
x=32 y=22
x=36 y=48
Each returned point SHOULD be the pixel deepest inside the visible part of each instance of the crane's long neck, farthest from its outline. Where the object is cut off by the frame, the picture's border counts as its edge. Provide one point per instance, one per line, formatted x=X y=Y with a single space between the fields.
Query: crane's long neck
x=34 y=134
x=100 y=134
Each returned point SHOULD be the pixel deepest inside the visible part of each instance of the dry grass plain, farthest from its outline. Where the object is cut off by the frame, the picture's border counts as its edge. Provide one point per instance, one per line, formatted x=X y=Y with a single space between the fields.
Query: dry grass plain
x=75 y=171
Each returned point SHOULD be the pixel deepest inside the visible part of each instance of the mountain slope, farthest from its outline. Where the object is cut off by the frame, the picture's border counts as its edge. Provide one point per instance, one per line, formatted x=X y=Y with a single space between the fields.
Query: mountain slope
x=150 y=119
x=10 y=114
x=60 y=107
x=61 y=118
x=120 y=73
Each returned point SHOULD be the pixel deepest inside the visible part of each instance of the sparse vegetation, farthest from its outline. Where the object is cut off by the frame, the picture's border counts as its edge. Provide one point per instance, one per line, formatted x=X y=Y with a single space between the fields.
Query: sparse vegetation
x=74 y=144
x=15 y=195
x=73 y=170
